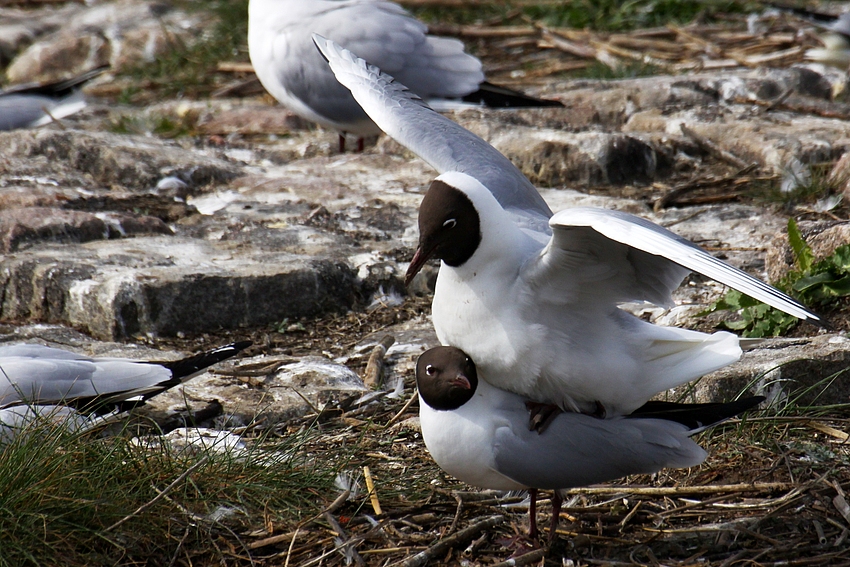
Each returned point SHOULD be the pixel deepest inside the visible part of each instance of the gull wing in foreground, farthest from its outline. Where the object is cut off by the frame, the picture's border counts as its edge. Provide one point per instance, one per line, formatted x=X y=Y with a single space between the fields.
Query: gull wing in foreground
x=443 y=144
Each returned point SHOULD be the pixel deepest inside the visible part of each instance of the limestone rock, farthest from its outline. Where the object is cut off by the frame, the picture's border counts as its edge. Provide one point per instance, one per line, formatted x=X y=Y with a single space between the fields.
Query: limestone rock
x=122 y=34
x=20 y=28
x=124 y=162
x=52 y=60
x=28 y=225
x=251 y=120
x=166 y=286
x=550 y=158
x=839 y=177
x=802 y=371
x=272 y=388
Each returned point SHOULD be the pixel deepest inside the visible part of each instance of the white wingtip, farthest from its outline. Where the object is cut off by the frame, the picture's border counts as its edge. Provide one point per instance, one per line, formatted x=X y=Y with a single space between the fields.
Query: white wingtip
x=323 y=44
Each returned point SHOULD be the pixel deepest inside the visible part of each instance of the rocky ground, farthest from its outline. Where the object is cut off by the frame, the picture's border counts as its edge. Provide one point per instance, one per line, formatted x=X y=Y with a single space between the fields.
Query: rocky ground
x=152 y=230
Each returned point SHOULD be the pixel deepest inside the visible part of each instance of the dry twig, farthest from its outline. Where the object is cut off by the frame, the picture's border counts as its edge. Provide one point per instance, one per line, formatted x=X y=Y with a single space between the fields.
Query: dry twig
x=461 y=537
x=713 y=149
x=373 y=376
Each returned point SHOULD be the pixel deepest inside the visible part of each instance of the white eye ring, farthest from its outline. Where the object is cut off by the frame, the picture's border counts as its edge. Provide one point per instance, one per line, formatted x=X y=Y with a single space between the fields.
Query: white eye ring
x=451 y=223
x=430 y=370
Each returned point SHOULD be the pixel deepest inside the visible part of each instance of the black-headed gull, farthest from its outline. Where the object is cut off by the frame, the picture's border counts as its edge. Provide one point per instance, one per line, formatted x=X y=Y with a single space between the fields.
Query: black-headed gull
x=290 y=68
x=533 y=297
x=32 y=374
x=28 y=106
x=479 y=434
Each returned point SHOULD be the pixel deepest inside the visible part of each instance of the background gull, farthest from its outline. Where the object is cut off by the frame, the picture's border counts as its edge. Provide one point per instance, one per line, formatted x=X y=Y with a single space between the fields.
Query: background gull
x=32 y=374
x=28 y=106
x=290 y=68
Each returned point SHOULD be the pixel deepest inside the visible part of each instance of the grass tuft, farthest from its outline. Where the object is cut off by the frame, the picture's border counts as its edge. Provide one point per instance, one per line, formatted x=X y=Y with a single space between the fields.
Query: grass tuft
x=815 y=283
x=189 y=70
x=62 y=493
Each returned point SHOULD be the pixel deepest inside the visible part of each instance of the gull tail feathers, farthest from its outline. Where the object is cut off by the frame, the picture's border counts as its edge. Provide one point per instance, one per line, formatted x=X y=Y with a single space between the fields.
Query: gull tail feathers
x=684 y=355
x=495 y=96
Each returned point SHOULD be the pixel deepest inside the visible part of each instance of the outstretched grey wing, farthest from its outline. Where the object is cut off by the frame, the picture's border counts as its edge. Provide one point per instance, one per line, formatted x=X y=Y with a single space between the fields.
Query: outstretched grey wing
x=37 y=374
x=646 y=259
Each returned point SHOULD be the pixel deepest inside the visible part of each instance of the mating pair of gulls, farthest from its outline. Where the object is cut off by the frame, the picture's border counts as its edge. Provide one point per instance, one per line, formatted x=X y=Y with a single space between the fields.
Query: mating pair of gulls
x=526 y=300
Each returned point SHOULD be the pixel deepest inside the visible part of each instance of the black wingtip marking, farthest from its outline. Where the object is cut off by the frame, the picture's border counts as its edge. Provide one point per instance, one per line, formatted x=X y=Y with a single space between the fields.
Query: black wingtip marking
x=193 y=364
x=496 y=96
x=59 y=88
x=696 y=416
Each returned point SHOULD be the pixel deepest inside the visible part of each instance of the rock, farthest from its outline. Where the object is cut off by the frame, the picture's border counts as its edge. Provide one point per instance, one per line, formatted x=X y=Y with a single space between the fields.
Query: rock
x=196 y=440
x=550 y=158
x=121 y=34
x=165 y=286
x=123 y=162
x=20 y=28
x=808 y=371
x=839 y=177
x=251 y=120
x=822 y=237
x=28 y=225
x=271 y=388
x=51 y=60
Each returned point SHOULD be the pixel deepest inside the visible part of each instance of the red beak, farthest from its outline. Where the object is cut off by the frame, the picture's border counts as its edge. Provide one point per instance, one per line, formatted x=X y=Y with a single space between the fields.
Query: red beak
x=419 y=259
x=461 y=381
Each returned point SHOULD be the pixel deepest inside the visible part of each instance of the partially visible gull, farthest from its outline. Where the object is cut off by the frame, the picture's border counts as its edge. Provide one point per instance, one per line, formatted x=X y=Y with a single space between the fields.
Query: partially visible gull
x=15 y=419
x=534 y=297
x=290 y=68
x=32 y=374
x=28 y=106
x=480 y=434
x=836 y=41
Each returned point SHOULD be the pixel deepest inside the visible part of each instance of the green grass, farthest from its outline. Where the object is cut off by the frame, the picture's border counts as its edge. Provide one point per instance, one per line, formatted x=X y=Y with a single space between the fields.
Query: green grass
x=162 y=125
x=189 y=70
x=62 y=493
x=817 y=283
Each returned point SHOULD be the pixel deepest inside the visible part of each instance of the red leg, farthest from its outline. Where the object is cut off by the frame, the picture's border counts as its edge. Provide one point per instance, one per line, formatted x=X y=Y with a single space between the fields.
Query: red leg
x=556 y=515
x=532 y=513
x=521 y=544
x=342 y=143
x=361 y=143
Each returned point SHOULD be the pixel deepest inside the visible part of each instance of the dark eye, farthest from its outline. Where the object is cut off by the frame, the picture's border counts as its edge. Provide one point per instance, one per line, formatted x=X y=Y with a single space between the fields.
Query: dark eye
x=451 y=223
x=430 y=370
